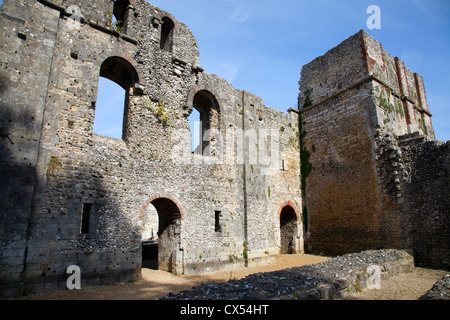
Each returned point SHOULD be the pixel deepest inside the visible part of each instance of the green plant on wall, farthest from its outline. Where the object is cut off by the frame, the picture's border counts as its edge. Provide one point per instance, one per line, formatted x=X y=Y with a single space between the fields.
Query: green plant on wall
x=305 y=165
x=160 y=112
x=400 y=109
x=389 y=107
x=308 y=103
x=116 y=25
x=305 y=168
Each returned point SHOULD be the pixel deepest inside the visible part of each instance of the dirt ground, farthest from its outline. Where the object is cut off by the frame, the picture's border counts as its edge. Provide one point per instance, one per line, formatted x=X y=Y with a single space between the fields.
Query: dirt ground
x=405 y=286
x=156 y=284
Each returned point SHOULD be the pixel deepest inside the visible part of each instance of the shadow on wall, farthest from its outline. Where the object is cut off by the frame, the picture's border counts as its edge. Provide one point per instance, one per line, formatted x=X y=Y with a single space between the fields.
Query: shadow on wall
x=18 y=173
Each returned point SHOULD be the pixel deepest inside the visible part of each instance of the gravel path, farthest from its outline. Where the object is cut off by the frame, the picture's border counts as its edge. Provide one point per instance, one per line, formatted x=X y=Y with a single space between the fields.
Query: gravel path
x=157 y=284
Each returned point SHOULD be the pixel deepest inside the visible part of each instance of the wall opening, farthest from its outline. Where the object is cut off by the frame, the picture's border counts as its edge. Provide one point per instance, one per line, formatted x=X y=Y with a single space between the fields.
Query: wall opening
x=204 y=122
x=160 y=252
x=167 y=27
x=109 y=109
x=195 y=127
x=120 y=14
x=116 y=80
x=218 y=221
x=85 y=218
x=288 y=230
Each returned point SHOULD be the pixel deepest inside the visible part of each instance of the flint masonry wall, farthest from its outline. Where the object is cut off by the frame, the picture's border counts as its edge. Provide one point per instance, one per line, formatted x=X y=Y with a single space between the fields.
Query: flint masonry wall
x=149 y=185
x=415 y=171
x=427 y=205
x=22 y=107
x=72 y=197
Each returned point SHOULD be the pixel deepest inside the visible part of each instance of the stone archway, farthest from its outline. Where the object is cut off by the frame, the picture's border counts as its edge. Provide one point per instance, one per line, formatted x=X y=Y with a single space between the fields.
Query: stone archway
x=288 y=230
x=165 y=244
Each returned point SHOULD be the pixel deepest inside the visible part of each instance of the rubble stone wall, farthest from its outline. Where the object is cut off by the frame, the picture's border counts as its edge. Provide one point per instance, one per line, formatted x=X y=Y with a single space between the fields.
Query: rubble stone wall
x=56 y=172
x=73 y=197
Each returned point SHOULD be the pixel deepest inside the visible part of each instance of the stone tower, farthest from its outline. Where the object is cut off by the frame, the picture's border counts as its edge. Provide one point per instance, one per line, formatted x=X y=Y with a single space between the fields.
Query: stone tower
x=365 y=124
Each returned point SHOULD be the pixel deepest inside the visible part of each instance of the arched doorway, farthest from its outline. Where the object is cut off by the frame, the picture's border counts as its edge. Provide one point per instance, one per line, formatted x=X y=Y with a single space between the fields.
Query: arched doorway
x=288 y=230
x=161 y=233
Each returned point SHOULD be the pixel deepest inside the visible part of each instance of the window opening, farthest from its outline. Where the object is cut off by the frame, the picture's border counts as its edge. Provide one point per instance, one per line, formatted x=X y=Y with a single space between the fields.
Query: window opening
x=218 y=220
x=167 y=34
x=109 y=109
x=85 y=217
x=195 y=126
x=120 y=13
x=204 y=122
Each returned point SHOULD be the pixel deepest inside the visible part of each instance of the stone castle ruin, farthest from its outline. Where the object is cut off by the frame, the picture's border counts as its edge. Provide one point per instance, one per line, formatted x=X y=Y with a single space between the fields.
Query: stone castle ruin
x=355 y=167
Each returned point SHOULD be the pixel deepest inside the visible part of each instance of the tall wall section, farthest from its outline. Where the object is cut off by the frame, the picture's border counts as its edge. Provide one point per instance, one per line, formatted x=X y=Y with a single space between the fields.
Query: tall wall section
x=427 y=205
x=415 y=172
x=338 y=121
x=218 y=208
x=26 y=57
x=358 y=105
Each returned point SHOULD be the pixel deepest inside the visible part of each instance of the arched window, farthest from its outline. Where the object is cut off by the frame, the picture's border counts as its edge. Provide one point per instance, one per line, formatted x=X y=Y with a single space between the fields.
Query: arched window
x=205 y=118
x=195 y=125
x=167 y=34
x=113 y=97
x=109 y=109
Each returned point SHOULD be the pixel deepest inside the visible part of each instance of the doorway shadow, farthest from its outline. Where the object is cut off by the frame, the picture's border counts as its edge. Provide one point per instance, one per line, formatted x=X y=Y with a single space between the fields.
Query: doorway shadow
x=150 y=254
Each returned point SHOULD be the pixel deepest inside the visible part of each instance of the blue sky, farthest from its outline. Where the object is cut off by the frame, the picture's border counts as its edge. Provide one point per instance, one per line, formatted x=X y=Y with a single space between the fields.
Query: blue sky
x=261 y=45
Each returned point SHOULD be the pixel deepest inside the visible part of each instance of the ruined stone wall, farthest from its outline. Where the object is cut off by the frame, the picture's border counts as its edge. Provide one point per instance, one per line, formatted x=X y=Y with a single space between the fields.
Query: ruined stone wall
x=76 y=169
x=58 y=171
x=337 y=134
x=399 y=93
x=25 y=55
x=359 y=109
x=235 y=200
x=414 y=174
x=427 y=167
x=270 y=187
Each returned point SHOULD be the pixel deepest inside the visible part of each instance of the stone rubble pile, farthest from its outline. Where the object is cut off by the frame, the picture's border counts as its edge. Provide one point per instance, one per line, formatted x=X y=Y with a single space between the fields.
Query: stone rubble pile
x=326 y=280
x=440 y=290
